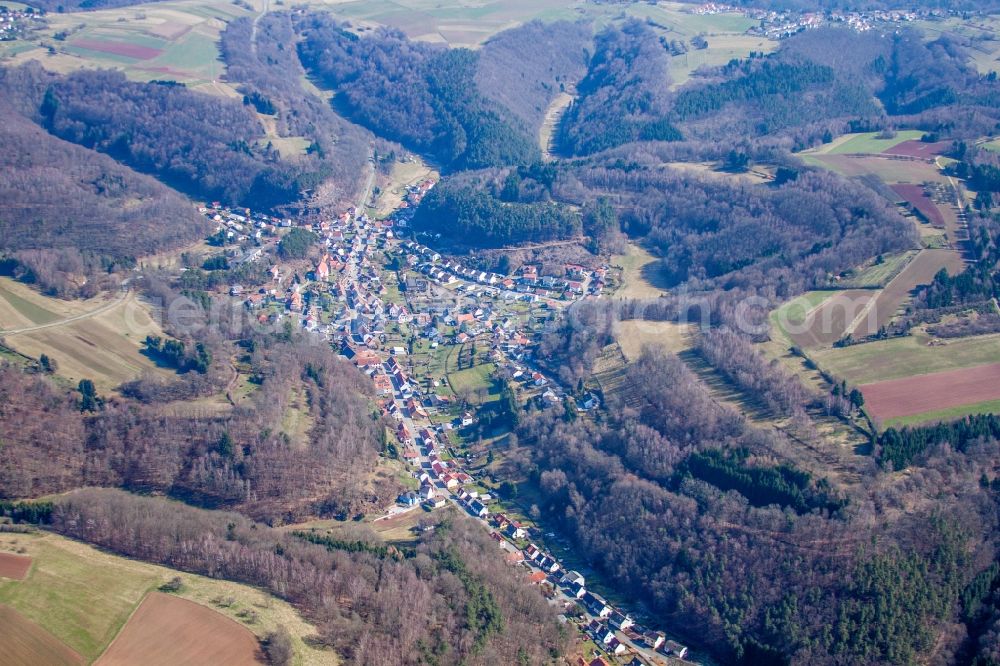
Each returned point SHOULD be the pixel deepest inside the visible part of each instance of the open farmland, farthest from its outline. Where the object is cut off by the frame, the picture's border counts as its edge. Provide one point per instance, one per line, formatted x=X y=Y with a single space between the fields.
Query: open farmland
x=21 y=306
x=84 y=596
x=920 y=271
x=913 y=396
x=104 y=347
x=877 y=274
x=916 y=197
x=174 y=40
x=14 y=566
x=821 y=318
x=916 y=354
x=920 y=149
x=166 y=630
x=867 y=142
x=886 y=169
x=22 y=642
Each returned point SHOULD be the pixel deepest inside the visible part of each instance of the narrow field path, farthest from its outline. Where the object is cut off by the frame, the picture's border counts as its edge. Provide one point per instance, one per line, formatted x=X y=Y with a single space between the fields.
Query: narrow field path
x=125 y=294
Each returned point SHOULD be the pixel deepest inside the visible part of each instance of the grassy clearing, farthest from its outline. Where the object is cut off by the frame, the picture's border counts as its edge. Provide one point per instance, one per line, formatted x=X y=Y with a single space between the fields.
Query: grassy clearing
x=634 y=335
x=869 y=143
x=638 y=267
x=950 y=414
x=878 y=275
x=83 y=596
x=20 y=306
x=908 y=356
x=393 y=187
x=105 y=347
x=475 y=382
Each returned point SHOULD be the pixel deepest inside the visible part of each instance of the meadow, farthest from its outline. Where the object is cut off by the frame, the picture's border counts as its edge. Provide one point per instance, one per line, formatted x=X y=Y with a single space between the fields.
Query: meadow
x=104 y=346
x=639 y=267
x=907 y=356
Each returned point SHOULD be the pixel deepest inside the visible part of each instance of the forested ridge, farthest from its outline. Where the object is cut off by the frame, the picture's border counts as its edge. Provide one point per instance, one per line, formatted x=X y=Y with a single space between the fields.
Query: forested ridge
x=69 y=212
x=154 y=438
x=764 y=562
x=420 y=95
x=623 y=96
x=270 y=71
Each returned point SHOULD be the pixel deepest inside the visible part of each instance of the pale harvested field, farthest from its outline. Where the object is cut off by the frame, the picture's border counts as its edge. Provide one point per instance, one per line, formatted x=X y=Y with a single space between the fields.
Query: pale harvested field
x=20 y=306
x=104 y=348
x=637 y=263
x=167 y=630
x=933 y=392
x=756 y=175
x=24 y=643
x=634 y=335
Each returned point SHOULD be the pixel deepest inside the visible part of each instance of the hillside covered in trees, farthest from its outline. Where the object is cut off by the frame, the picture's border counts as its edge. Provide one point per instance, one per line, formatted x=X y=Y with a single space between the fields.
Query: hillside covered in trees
x=58 y=196
x=425 y=97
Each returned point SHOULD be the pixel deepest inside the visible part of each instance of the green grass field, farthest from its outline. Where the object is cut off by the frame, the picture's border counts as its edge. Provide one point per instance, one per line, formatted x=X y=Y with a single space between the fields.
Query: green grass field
x=868 y=143
x=474 y=381
x=28 y=309
x=905 y=357
x=878 y=275
x=84 y=602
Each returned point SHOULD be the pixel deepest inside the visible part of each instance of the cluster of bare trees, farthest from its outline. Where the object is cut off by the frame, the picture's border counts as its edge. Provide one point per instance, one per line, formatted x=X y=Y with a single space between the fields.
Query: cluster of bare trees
x=371 y=605
x=240 y=459
x=70 y=214
x=525 y=68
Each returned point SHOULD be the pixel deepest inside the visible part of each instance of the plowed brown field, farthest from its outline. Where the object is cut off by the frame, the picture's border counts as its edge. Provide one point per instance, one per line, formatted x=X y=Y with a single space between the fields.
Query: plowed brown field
x=168 y=630
x=918 y=149
x=24 y=643
x=920 y=271
x=830 y=321
x=933 y=392
x=14 y=566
